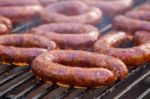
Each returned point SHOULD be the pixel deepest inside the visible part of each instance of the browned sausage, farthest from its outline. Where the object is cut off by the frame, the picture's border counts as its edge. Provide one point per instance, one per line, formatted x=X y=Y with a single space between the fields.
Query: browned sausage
x=18 y=2
x=5 y=25
x=78 y=68
x=71 y=11
x=111 y=7
x=16 y=55
x=25 y=2
x=142 y=15
x=130 y=25
x=144 y=7
x=46 y=2
x=134 y=56
x=21 y=13
x=69 y=35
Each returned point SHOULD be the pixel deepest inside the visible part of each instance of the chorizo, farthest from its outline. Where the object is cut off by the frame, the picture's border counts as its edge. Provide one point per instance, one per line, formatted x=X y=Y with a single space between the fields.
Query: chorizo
x=12 y=47
x=69 y=35
x=46 y=2
x=25 y=2
x=78 y=68
x=141 y=14
x=4 y=3
x=5 y=25
x=135 y=56
x=71 y=11
x=144 y=7
x=21 y=13
x=130 y=25
x=111 y=7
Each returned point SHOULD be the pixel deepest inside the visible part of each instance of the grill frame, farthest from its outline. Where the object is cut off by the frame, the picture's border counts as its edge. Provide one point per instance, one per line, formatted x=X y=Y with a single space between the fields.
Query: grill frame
x=14 y=78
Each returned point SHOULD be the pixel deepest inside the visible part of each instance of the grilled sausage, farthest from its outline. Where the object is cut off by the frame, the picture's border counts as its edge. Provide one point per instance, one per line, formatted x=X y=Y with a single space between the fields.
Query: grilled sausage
x=78 y=68
x=135 y=56
x=142 y=15
x=11 y=53
x=111 y=7
x=46 y=2
x=71 y=11
x=144 y=7
x=5 y=25
x=21 y=13
x=130 y=25
x=69 y=35
x=18 y=2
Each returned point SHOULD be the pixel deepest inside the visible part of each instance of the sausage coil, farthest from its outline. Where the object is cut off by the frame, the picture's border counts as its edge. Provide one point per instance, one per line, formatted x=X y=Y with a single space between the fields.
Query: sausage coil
x=13 y=48
x=130 y=25
x=111 y=7
x=71 y=11
x=69 y=35
x=78 y=68
x=135 y=56
x=21 y=13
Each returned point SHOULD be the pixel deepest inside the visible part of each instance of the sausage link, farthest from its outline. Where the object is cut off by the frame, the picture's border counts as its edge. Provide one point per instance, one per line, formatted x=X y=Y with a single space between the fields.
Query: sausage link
x=111 y=7
x=71 y=11
x=142 y=15
x=69 y=35
x=135 y=56
x=21 y=13
x=130 y=25
x=78 y=68
x=11 y=53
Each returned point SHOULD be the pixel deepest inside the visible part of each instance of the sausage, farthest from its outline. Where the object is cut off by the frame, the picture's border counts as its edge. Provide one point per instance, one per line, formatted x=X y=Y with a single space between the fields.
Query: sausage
x=21 y=13
x=18 y=2
x=144 y=7
x=135 y=56
x=141 y=14
x=130 y=25
x=10 y=51
x=69 y=35
x=78 y=68
x=111 y=7
x=5 y=25
x=47 y=2
x=71 y=11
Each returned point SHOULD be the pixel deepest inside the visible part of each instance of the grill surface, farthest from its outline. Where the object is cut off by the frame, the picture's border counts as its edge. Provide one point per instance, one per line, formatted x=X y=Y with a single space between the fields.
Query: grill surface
x=19 y=82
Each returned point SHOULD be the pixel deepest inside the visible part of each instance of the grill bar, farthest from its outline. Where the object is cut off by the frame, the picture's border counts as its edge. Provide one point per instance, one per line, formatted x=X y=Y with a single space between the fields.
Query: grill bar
x=12 y=73
x=5 y=68
x=132 y=85
x=65 y=93
x=49 y=89
x=122 y=85
x=35 y=84
x=11 y=85
x=144 y=94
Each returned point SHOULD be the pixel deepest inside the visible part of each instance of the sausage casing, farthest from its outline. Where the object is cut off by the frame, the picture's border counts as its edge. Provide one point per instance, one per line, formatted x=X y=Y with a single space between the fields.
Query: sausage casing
x=135 y=56
x=78 y=68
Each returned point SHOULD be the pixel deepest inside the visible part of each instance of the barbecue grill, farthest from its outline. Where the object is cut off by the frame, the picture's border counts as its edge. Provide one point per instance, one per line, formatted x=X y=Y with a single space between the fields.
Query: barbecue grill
x=21 y=83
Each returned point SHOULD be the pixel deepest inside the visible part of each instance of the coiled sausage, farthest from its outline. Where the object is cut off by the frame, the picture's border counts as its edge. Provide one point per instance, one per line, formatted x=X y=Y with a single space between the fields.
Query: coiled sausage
x=130 y=25
x=135 y=56
x=141 y=14
x=71 y=11
x=21 y=13
x=69 y=35
x=11 y=53
x=111 y=7
x=78 y=68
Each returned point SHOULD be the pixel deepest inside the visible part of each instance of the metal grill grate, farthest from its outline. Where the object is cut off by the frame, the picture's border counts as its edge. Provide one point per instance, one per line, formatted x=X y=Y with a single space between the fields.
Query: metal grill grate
x=20 y=83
